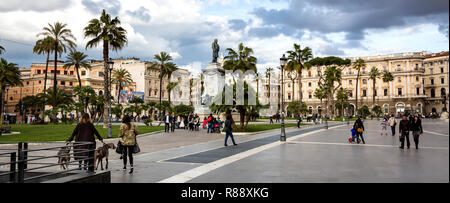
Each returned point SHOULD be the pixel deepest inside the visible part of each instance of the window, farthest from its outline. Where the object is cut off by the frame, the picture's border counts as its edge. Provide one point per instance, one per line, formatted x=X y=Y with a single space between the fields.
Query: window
x=399 y=79
x=364 y=81
x=364 y=71
x=375 y=92
x=309 y=73
x=63 y=83
x=433 y=93
x=384 y=68
x=364 y=93
x=418 y=91
x=289 y=85
x=399 y=91
x=101 y=74
x=28 y=83
x=83 y=72
x=289 y=96
x=71 y=72
x=386 y=108
x=309 y=84
x=350 y=71
x=11 y=98
x=442 y=80
x=399 y=68
x=432 y=81
x=350 y=82
x=417 y=67
x=58 y=72
x=319 y=73
x=71 y=83
x=38 y=71
x=310 y=96
x=442 y=70
x=65 y=72
x=385 y=92
x=40 y=82
x=431 y=70
x=350 y=93
x=417 y=78
x=310 y=110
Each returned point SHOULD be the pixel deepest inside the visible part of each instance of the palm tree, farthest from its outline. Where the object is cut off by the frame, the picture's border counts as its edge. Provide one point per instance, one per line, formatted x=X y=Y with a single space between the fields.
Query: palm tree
x=62 y=97
x=162 y=59
x=373 y=75
x=2 y=49
x=321 y=93
x=151 y=106
x=191 y=87
x=296 y=62
x=113 y=36
x=358 y=65
x=45 y=46
x=244 y=61
x=333 y=74
x=9 y=75
x=342 y=99
x=268 y=75
x=122 y=78
x=78 y=60
x=62 y=39
x=171 y=86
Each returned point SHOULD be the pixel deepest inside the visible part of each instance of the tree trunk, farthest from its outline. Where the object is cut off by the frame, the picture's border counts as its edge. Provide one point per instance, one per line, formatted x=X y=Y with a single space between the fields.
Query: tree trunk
x=45 y=85
x=301 y=93
x=242 y=119
x=55 y=83
x=118 y=94
x=293 y=90
x=2 y=89
x=106 y=83
x=373 y=93
x=79 y=85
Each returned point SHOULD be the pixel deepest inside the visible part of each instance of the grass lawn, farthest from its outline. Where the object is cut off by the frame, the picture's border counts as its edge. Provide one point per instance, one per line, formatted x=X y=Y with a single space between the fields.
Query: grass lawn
x=61 y=132
x=259 y=128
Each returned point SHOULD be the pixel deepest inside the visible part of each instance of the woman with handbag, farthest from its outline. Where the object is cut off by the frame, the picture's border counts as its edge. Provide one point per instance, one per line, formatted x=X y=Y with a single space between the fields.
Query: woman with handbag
x=128 y=133
x=359 y=129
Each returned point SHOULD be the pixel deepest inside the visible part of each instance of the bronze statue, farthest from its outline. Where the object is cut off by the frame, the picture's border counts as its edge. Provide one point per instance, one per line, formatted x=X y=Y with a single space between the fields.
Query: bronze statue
x=216 y=48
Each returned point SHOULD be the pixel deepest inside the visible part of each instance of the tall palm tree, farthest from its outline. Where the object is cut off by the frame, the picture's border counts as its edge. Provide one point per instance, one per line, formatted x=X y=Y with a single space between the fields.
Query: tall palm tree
x=373 y=75
x=242 y=60
x=106 y=30
x=78 y=60
x=163 y=64
x=191 y=87
x=358 y=65
x=2 y=49
x=321 y=93
x=269 y=75
x=171 y=86
x=45 y=46
x=202 y=87
x=296 y=62
x=332 y=75
x=122 y=78
x=9 y=75
x=62 y=39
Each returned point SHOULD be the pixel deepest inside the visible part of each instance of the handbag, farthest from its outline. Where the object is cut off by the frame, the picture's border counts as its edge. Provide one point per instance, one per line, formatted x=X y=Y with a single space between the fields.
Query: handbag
x=136 y=148
x=119 y=149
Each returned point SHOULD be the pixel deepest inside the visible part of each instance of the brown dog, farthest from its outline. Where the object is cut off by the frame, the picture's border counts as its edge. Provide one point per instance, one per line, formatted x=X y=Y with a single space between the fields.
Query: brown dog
x=103 y=152
x=64 y=157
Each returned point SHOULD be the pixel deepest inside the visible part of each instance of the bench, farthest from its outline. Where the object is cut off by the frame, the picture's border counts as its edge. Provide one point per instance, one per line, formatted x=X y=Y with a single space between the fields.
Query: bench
x=5 y=129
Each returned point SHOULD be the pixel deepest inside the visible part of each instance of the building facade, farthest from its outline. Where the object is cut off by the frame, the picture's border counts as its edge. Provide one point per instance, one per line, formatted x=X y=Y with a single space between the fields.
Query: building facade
x=436 y=82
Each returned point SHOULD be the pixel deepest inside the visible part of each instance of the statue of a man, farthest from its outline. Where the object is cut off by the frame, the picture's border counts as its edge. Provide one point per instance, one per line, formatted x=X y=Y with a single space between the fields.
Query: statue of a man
x=216 y=48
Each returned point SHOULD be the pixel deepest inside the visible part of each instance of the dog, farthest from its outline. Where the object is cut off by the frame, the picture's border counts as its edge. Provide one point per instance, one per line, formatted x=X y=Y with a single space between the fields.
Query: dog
x=102 y=152
x=64 y=157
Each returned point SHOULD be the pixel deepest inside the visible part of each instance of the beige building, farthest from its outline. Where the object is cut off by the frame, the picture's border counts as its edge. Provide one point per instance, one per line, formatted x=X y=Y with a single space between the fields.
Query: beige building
x=436 y=81
x=407 y=93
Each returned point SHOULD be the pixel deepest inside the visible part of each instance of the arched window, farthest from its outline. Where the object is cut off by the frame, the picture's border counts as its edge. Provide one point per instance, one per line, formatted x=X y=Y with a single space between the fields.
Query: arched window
x=386 y=108
x=400 y=108
x=419 y=108
x=310 y=110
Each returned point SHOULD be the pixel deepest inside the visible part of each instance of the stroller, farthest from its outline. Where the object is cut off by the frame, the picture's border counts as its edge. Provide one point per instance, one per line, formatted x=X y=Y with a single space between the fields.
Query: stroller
x=217 y=126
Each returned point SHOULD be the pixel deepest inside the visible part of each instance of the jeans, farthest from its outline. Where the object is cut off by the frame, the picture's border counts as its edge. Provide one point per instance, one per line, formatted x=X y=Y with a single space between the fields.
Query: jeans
x=229 y=134
x=362 y=137
x=127 y=150
x=416 y=136
x=210 y=129
x=166 y=127
x=402 y=139
x=172 y=127
x=393 y=130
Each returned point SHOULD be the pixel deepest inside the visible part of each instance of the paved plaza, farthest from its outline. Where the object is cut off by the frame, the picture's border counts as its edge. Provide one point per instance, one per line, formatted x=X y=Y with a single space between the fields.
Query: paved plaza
x=312 y=154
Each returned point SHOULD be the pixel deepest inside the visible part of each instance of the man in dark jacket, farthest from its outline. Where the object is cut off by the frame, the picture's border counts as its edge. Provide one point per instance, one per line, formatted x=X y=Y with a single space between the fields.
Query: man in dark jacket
x=416 y=128
x=404 y=129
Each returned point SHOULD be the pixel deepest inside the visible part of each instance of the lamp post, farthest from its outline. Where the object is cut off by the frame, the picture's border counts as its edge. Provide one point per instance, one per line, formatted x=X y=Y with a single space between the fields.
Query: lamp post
x=110 y=66
x=283 y=61
x=326 y=109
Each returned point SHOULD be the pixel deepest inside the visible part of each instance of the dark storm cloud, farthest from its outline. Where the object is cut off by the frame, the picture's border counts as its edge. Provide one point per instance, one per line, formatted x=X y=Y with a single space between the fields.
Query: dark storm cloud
x=354 y=17
x=273 y=31
x=331 y=51
x=95 y=7
x=141 y=13
x=34 y=5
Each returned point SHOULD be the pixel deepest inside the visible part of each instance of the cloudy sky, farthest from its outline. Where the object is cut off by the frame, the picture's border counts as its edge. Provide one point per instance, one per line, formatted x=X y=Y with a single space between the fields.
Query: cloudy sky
x=186 y=28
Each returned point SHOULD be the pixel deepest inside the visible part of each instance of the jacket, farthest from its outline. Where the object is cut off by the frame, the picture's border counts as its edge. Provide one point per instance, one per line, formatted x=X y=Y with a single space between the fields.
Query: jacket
x=84 y=132
x=392 y=121
x=358 y=124
x=416 y=126
x=128 y=136
x=404 y=126
x=228 y=126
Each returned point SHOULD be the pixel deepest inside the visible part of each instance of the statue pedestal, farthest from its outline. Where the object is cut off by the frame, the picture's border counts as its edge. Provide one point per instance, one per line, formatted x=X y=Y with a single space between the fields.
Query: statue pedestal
x=214 y=82
x=444 y=115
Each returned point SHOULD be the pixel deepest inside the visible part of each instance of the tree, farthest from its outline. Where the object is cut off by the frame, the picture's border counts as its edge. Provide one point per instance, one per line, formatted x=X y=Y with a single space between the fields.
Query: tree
x=106 y=30
x=241 y=59
x=137 y=105
x=296 y=60
x=62 y=39
x=162 y=59
x=122 y=78
x=150 y=106
x=373 y=75
x=377 y=110
x=78 y=60
x=9 y=76
x=117 y=110
x=84 y=94
x=2 y=49
x=45 y=46
x=358 y=65
x=62 y=99
x=388 y=77
x=183 y=109
x=342 y=100
x=332 y=75
x=364 y=111
x=296 y=108
x=191 y=87
x=321 y=93
x=269 y=75
x=171 y=86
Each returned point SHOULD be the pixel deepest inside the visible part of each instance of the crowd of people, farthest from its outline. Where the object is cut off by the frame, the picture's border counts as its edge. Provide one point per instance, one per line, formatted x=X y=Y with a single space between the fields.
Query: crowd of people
x=187 y=122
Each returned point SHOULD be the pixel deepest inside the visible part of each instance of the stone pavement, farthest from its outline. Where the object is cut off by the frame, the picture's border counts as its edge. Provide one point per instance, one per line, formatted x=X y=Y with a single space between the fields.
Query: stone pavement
x=311 y=154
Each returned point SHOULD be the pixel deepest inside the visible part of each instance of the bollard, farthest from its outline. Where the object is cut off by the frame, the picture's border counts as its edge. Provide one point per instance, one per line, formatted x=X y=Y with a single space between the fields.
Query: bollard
x=25 y=155
x=12 y=168
x=20 y=164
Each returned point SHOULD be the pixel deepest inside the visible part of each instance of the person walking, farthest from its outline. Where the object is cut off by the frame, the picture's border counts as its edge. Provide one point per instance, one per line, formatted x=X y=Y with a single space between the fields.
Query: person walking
x=416 y=128
x=127 y=134
x=229 y=130
x=210 y=123
x=384 y=124
x=181 y=122
x=299 y=121
x=85 y=132
x=166 y=123
x=271 y=119
x=404 y=129
x=392 y=122
x=173 y=121
x=359 y=129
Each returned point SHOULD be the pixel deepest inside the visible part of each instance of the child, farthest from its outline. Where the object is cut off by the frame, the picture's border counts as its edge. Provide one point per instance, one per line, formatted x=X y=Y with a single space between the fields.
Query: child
x=384 y=124
x=352 y=139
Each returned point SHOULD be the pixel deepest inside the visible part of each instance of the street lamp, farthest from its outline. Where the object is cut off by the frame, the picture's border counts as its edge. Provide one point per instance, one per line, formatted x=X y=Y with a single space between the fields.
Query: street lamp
x=110 y=66
x=283 y=62
x=326 y=109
